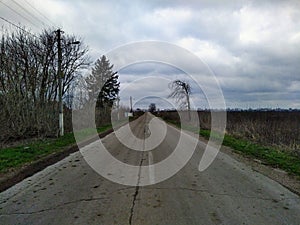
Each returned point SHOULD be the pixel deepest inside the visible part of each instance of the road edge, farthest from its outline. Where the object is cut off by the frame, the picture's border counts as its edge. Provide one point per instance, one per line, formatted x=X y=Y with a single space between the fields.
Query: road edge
x=289 y=181
x=30 y=169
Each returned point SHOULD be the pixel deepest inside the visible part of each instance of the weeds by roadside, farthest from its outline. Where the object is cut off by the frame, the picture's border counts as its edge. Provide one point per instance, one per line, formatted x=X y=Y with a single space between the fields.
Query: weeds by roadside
x=279 y=129
x=15 y=157
x=272 y=156
x=269 y=155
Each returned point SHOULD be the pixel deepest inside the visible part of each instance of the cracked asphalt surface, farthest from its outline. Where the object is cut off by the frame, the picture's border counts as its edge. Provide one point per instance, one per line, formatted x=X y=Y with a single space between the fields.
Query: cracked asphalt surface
x=228 y=192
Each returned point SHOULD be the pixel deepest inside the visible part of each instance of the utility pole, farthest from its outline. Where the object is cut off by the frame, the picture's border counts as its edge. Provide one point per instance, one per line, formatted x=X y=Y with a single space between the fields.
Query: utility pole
x=131 y=105
x=60 y=78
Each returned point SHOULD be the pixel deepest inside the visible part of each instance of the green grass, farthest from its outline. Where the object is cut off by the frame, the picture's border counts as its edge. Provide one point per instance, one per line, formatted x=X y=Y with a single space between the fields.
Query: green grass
x=87 y=133
x=272 y=156
x=16 y=157
x=275 y=157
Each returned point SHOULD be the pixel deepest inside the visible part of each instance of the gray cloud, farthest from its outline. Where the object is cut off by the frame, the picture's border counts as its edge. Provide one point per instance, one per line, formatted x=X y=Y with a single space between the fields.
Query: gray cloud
x=251 y=46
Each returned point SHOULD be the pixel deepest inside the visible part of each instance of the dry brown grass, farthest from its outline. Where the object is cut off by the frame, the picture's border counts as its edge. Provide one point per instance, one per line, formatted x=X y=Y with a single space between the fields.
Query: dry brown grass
x=275 y=128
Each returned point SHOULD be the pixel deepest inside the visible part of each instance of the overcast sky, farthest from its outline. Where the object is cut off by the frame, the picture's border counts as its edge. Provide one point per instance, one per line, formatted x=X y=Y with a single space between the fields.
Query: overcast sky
x=252 y=47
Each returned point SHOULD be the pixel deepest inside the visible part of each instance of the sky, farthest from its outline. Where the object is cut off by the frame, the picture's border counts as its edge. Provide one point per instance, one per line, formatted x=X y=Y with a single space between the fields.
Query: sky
x=250 y=47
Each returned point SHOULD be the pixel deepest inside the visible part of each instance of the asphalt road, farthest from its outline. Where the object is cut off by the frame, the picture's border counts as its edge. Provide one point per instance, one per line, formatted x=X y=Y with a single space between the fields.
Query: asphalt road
x=71 y=192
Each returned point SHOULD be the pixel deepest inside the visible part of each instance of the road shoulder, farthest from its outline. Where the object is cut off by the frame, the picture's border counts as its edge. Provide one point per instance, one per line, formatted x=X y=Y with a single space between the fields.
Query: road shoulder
x=289 y=181
x=15 y=176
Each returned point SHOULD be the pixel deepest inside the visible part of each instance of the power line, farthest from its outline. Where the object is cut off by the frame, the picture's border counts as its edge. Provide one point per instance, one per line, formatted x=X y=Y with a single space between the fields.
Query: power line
x=39 y=12
x=11 y=23
x=28 y=12
x=18 y=13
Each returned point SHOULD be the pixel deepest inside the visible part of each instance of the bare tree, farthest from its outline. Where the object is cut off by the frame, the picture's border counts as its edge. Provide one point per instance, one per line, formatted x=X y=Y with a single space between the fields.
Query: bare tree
x=28 y=81
x=181 y=91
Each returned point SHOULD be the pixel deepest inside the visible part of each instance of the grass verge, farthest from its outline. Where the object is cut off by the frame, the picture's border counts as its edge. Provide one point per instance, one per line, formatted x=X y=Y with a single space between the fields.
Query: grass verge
x=272 y=156
x=16 y=157
x=275 y=157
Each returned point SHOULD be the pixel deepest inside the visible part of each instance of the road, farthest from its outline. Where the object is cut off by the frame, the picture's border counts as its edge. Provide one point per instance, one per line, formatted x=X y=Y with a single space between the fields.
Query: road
x=71 y=192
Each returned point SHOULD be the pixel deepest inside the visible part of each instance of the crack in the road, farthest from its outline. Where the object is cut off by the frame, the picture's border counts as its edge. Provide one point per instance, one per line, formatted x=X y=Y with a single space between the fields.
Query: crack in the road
x=137 y=187
x=54 y=207
x=64 y=204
